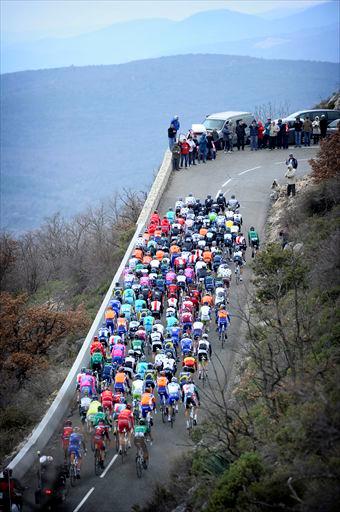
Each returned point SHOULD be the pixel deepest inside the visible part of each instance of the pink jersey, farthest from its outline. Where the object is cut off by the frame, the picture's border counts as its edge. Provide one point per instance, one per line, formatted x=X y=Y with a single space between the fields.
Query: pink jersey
x=144 y=281
x=140 y=335
x=189 y=273
x=87 y=381
x=187 y=304
x=186 y=317
x=117 y=408
x=118 y=350
x=169 y=277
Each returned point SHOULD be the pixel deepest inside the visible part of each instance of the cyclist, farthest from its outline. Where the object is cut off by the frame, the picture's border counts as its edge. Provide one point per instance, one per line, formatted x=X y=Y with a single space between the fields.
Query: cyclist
x=190 y=398
x=121 y=381
x=97 y=362
x=76 y=443
x=150 y=377
x=101 y=432
x=203 y=353
x=233 y=203
x=238 y=260
x=10 y=492
x=106 y=399
x=162 y=387
x=137 y=387
x=65 y=437
x=96 y=345
x=205 y=314
x=186 y=345
x=130 y=363
x=148 y=403
x=107 y=373
x=142 y=366
x=159 y=359
x=141 y=433
x=253 y=240
x=225 y=274
x=118 y=353
x=92 y=410
x=174 y=391
x=223 y=318
x=84 y=405
x=122 y=326
x=110 y=318
x=125 y=424
x=189 y=363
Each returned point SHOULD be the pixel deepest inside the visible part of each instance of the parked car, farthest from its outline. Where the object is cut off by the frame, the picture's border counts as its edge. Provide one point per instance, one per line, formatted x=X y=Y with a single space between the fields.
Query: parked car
x=333 y=127
x=331 y=115
x=217 y=122
x=198 y=129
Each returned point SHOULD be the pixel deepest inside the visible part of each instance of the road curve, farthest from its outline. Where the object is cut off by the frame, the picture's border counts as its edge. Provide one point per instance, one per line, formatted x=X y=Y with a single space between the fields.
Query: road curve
x=249 y=176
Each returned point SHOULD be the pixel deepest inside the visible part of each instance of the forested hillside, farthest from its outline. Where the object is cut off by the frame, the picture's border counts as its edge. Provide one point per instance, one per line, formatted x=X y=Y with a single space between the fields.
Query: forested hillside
x=274 y=442
x=73 y=135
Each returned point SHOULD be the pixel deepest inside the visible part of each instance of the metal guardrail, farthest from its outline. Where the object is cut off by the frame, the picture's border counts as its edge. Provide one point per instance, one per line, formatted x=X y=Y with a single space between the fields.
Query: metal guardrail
x=56 y=412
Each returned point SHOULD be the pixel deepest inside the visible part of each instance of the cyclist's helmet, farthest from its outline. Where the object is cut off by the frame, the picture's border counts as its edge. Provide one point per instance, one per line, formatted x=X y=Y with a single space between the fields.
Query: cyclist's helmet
x=143 y=358
x=131 y=353
x=209 y=197
x=83 y=370
x=237 y=211
x=205 y=336
x=233 y=197
x=100 y=409
x=169 y=354
x=76 y=429
x=68 y=423
x=221 y=306
x=137 y=377
x=162 y=373
x=128 y=406
x=122 y=399
x=221 y=194
x=121 y=369
x=174 y=379
x=150 y=366
x=252 y=228
x=154 y=329
x=142 y=421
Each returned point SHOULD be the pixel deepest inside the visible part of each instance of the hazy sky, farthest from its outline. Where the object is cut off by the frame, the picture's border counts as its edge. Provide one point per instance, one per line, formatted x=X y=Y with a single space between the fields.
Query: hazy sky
x=33 y=19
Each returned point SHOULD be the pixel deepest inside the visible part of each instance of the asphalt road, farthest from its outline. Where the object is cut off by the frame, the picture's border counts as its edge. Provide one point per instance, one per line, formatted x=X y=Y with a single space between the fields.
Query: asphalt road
x=249 y=176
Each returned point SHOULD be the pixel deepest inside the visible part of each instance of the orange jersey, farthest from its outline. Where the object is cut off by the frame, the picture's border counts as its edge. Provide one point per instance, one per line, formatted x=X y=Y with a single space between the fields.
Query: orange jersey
x=203 y=231
x=147 y=399
x=159 y=255
x=162 y=382
x=174 y=249
x=121 y=322
x=207 y=299
x=146 y=260
x=222 y=313
x=107 y=396
x=120 y=378
x=189 y=361
x=138 y=253
x=110 y=314
x=207 y=256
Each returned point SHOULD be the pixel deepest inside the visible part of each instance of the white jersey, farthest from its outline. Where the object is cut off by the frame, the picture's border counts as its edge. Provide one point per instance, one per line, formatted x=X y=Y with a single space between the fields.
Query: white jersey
x=178 y=205
x=181 y=279
x=184 y=210
x=200 y=264
x=189 y=223
x=220 y=220
x=155 y=263
x=195 y=237
x=220 y=295
x=159 y=359
x=130 y=362
x=224 y=272
x=201 y=244
x=205 y=313
x=190 y=200
x=238 y=218
x=140 y=242
x=174 y=388
x=234 y=229
x=189 y=390
x=203 y=347
x=238 y=254
x=160 y=328
x=229 y=214
x=169 y=364
x=198 y=326
x=137 y=387
x=172 y=302
x=156 y=337
x=85 y=402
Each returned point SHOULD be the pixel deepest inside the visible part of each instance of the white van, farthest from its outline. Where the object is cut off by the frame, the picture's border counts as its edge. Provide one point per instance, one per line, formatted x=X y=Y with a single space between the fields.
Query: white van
x=218 y=120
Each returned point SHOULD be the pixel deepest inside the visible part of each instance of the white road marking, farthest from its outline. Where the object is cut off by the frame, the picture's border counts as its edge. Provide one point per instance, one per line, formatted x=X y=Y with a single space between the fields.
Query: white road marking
x=217 y=194
x=83 y=500
x=248 y=170
x=226 y=183
x=108 y=467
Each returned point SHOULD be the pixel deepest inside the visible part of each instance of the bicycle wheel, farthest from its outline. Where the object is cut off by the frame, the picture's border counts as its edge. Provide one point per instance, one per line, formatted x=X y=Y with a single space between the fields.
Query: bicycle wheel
x=173 y=415
x=73 y=475
x=163 y=411
x=117 y=441
x=139 y=466
x=223 y=337
x=97 y=466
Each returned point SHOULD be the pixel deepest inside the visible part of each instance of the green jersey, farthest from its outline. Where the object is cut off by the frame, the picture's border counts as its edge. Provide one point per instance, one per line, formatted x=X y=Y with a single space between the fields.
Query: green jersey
x=253 y=236
x=97 y=357
x=141 y=430
x=99 y=416
x=137 y=344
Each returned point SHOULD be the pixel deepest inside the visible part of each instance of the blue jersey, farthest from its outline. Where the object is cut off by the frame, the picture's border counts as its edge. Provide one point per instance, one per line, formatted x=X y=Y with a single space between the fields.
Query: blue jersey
x=141 y=368
x=140 y=304
x=186 y=345
x=75 y=440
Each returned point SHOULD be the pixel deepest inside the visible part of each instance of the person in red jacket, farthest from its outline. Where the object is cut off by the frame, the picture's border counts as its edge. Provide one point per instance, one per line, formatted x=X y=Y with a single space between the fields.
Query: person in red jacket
x=155 y=218
x=165 y=225
x=125 y=423
x=96 y=345
x=185 y=148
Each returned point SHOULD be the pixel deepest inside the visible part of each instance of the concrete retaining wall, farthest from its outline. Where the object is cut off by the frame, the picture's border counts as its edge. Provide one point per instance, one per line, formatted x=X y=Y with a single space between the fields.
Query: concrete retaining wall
x=58 y=409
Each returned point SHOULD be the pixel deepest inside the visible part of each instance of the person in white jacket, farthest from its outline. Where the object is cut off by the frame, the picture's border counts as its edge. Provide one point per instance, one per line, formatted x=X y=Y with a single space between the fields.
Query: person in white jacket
x=291 y=180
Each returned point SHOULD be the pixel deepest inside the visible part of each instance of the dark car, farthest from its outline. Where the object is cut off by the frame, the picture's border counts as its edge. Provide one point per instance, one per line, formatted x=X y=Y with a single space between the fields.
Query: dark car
x=331 y=115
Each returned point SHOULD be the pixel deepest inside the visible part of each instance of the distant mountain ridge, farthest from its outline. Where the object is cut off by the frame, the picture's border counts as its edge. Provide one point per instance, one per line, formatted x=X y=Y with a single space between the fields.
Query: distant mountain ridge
x=151 y=38
x=72 y=136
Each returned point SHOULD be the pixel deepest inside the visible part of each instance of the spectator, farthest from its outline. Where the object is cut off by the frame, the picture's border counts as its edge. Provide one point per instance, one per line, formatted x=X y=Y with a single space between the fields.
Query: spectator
x=216 y=139
x=274 y=195
x=185 y=148
x=298 y=131
x=226 y=137
x=273 y=130
x=260 y=134
x=231 y=136
x=253 y=132
x=316 y=130
x=285 y=135
x=176 y=155
x=175 y=123
x=323 y=126
x=211 y=147
x=192 y=151
x=290 y=175
x=266 y=132
x=279 y=137
x=203 y=148
x=171 y=136
x=240 y=133
x=307 y=131
x=292 y=161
